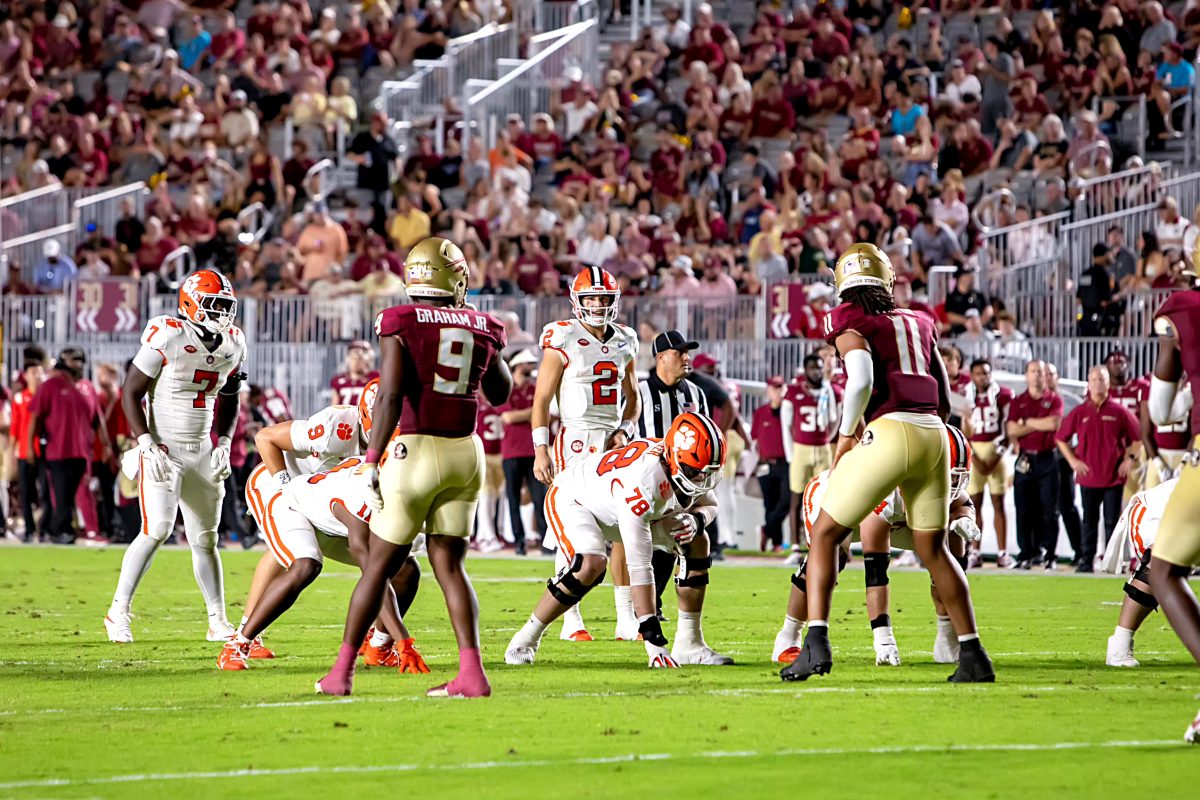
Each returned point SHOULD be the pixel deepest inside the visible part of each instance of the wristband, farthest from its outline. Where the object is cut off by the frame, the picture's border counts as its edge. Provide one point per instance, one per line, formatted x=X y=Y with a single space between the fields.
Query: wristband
x=145 y=441
x=627 y=428
x=282 y=477
x=541 y=437
x=224 y=442
x=372 y=456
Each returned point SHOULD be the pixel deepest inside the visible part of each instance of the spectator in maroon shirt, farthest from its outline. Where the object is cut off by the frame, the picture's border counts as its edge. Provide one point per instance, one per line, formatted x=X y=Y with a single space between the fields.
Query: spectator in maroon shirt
x=773 y=116
x=543 y=143
x=533 y=262
x=228 y=43
x=295 y=169
x=1109 y=440
x=703 y=48
x=155 y=247
x=516 y=448
x=767 y=432
x=65 y=412
x=665 y=164
x=61 y=46
x=968 y=150
x=828 y=44
x=375 y=256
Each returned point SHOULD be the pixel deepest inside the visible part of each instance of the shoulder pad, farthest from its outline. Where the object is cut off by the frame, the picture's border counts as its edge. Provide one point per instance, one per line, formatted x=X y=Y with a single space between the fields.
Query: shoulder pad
x=839 y=320
x=393 y=321
x=557 y=334
x=161 y=330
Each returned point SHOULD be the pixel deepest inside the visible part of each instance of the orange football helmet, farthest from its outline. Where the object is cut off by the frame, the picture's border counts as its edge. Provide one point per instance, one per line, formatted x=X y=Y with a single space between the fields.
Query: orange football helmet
x=366 y=404
x=595 y=282
x=206 y=300
x=695 y=452
x=960 y=461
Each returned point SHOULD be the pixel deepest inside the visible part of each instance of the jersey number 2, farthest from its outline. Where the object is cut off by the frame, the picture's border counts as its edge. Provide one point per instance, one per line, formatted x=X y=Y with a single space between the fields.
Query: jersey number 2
x=207 y=379
x=456 y=346
x=604 y=392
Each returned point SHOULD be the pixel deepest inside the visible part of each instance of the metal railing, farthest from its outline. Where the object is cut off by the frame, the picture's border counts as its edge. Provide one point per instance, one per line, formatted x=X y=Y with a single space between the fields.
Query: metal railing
x=1132 y=126
x=526 y=88
x=1128 y=188
x=31 y=212
x=105 y=208
x=29 y=251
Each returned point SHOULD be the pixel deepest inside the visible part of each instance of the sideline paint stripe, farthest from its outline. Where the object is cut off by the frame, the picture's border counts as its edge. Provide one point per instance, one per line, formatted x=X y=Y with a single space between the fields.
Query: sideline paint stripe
x=749 y=691
x=618 y=759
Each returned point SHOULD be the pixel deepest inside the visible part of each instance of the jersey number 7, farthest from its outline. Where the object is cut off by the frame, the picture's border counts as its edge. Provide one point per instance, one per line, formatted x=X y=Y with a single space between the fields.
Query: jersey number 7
x=208 y=380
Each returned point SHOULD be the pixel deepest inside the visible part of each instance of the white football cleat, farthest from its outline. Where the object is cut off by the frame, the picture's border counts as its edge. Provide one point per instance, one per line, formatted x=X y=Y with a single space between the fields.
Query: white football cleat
x=116 y=623
x=1192 y=736
x=627 y=632
x=794 y=558
x=1119 y=656
x=887 y=654
x=520 y=655
x=784 y=643
x=945 y=648
x=220 y=632
x=659 y=658
x=702 y=656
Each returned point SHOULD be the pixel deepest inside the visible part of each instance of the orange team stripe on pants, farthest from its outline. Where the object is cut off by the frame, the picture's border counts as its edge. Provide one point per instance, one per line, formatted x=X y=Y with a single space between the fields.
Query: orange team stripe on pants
x=809 y=491
x=1135 y=525
x=288 y=558
x=556 y=524
x=274 y=540
x=558 y=450
x=142 y=498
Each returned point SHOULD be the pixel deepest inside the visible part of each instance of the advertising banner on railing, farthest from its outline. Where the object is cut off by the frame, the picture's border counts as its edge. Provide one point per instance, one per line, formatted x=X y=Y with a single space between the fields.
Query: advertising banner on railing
x=106 y=306
x=786 y=312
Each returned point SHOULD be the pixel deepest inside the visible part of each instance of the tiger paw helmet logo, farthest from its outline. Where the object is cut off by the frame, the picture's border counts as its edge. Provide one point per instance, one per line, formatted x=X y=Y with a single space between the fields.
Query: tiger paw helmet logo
x=345 y=431
x=867 y=438
x=685 y=438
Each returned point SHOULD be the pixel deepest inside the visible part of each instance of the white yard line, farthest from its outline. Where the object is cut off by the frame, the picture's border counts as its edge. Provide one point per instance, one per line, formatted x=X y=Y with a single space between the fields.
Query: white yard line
x=568 y=762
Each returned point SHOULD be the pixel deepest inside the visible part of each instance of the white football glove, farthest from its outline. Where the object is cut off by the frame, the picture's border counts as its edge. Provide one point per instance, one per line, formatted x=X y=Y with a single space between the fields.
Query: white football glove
x=967 y=529
x=683 y=528
x=218 y=462
x=369 y=474
x=155 y=464
x=660 y=657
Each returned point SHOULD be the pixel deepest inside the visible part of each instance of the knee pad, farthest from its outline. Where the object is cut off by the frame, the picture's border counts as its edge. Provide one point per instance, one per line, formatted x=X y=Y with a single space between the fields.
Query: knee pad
x=1144 y=599
x=1142 y=573
x=843 y=559
x=798 y=576
x=568 y=589
x=876 y=567
x=206 y=541
x=160 y=531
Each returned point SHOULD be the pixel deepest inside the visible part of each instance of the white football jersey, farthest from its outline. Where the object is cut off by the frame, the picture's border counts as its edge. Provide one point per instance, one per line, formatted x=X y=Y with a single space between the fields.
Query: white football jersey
x=891 y=509
x=323 y=440
x=186 y=377
x=315 y=496
x=625 y=489
x=589 y=395
x=1138 y=524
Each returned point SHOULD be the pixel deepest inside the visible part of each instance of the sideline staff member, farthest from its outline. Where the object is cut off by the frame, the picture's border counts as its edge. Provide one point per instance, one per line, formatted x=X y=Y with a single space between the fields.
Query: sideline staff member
x=772 y=472
x=1033 y=419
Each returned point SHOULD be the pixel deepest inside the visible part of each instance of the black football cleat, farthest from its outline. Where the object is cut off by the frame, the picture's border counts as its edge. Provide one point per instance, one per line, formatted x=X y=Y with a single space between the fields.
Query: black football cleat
x=815 y=658
x=974 y=666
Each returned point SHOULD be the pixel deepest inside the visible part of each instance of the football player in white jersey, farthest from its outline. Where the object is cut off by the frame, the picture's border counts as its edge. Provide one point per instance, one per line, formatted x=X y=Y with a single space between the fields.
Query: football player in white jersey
x=305 y=447
x=588 y=367
x=886 y=527
x=644 y=494
x=187 y=365
x=1131 y=543
x=314 y=516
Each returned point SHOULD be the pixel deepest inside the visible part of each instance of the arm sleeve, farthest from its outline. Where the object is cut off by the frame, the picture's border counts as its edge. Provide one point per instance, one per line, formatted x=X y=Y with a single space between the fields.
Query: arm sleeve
x=1161 y=400
x=705 y=506
x=636 y=536
x=786 y=414
x=860 y=379
x=149 y=360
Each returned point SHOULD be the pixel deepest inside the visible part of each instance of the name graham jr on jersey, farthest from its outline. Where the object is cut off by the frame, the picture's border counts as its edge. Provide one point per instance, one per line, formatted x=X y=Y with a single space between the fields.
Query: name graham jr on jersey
x=440 y=317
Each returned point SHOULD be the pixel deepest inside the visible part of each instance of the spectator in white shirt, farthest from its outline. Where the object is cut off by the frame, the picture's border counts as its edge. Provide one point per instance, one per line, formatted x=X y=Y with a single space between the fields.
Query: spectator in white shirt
x=577 y=114
x=596 y=246
x=960 y=84
x=1012 y=347
x=976 y=341
x=674 y=32
x=1172 y=229
x=239 y=125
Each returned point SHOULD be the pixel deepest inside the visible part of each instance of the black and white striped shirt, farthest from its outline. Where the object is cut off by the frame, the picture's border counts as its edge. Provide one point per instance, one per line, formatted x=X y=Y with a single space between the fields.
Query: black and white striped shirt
x=662 y=403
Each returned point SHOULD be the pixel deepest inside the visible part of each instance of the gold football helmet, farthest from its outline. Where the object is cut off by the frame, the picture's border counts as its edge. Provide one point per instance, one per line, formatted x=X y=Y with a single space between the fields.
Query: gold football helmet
x=436 y=268
x=863 y=265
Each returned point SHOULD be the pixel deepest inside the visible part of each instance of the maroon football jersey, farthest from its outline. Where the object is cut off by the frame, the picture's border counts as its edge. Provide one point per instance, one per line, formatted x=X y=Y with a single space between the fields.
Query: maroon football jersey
x=989 y=412
x=275 y=406
x=490 y=428
x=806 y=414
x=446 y=353
x=902 y=344
x=347 y=390
x=1131 y=395
x=1183 y=309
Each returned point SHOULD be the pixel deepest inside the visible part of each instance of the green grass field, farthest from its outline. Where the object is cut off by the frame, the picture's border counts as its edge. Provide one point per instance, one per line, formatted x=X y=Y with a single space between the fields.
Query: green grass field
x=80 y=717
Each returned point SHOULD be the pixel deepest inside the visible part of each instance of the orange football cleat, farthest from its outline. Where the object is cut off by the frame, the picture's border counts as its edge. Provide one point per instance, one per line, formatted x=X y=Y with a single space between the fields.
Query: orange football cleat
x=259 y=650
x=789 y=655
x=411 y=661
x=386 y=656
x=233 y=657
x=581 y=636
x=362 y=651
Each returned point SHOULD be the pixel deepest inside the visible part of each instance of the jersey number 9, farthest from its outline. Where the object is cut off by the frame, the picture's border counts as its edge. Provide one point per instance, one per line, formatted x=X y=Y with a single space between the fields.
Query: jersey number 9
x=455 y=349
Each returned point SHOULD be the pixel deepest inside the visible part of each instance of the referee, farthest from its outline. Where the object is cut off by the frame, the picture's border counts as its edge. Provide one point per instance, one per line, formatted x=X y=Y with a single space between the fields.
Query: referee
x=665 y=395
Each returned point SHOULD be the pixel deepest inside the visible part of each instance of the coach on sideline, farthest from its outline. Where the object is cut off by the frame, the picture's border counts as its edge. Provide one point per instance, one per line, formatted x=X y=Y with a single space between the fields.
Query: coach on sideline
x=665 y=395
x=1033 y=419
x=767 y=431
x=1109 y=442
